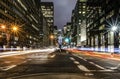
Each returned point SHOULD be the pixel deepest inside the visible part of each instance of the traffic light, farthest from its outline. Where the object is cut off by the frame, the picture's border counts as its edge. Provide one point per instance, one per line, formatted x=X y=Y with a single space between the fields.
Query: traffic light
x=67 y=40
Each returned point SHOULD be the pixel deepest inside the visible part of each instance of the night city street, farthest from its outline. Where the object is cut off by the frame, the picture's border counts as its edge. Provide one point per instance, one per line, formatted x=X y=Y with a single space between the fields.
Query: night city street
x=59 y=39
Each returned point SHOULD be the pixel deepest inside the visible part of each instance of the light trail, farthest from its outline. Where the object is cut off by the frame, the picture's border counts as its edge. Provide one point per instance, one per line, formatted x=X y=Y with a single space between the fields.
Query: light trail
x=13 y=53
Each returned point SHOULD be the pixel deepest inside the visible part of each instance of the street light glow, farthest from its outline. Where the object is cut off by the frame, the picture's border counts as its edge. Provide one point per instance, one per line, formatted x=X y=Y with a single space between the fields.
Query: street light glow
x=15 y=28
x=3 y=27
x=67 y=40
x=114 y=28
x=51 y=36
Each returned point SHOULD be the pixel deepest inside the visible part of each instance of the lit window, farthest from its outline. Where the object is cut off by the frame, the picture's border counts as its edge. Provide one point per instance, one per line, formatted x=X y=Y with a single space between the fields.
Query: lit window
x=51 y=7
x=79 y=11
x=83 y=12
x=82 y=0
x=84 y=6
x=43 y=6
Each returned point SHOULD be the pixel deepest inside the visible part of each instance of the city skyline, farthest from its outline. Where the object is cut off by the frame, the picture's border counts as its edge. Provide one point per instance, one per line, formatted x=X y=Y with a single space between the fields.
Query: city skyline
x=63 y=11
x=86 y=44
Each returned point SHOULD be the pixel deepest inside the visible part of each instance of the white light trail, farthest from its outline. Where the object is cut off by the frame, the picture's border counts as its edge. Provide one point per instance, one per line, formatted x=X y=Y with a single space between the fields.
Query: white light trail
x=13 y=53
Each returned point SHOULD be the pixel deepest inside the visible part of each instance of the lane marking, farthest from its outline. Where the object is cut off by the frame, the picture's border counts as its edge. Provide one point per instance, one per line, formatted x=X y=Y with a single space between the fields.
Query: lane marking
x=80 y=57
x=76 y=62
x=52 y=56
x=84 y=59
x=97 y=65
x=83 y=68
x=91 y=63
x=106 y=70
x=7 y=67
x=89 y=74
x=115 y=67
x=71 y=58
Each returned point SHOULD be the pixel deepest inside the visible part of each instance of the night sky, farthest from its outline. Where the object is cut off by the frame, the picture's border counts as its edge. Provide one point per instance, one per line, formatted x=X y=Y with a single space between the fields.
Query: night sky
x=63 y=11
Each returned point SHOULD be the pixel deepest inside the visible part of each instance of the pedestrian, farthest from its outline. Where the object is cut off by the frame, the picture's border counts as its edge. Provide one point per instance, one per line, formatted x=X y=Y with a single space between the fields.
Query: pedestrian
x=60 y=38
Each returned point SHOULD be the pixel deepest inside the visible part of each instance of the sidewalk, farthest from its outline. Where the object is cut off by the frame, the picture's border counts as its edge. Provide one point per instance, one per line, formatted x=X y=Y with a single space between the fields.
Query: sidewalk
x=97 y=54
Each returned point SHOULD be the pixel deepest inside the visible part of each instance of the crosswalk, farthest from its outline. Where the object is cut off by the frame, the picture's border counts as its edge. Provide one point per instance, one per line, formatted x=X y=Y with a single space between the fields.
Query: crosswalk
x=85 y=69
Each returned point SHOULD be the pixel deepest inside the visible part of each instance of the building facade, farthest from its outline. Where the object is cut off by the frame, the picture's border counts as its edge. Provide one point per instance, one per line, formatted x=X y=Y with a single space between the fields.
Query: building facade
x=28 y=18
x=103 y=25
x=67 y=33
x=48 y=12
x=78 y=20
x=99 y=21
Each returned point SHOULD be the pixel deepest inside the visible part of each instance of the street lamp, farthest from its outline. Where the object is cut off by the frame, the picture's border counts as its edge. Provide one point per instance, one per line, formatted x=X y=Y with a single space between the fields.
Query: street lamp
x=8 y=32
x=14 y=28
x=114 y=28
x=52 y=37
x=3 y=26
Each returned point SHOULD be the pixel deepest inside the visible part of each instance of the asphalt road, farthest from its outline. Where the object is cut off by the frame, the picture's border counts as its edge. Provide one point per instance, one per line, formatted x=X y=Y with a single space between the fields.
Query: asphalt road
x=63 y=63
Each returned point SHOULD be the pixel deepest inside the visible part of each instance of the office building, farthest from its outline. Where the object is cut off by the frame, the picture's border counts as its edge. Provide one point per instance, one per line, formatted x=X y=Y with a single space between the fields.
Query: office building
x=78 y=20
x=27 y=16
x=103 y=25
x=48 y=12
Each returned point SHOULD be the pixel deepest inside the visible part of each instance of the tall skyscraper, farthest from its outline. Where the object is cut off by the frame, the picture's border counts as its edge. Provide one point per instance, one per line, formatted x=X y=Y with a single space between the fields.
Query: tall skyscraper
x=78 y=23
x=26 y=15
x=48 y=12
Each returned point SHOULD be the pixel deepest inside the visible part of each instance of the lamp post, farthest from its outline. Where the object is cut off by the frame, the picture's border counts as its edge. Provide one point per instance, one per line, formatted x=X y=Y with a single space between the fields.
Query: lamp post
x=113 y=30
x=8 y=31
x=52 y=38
x=2 y=26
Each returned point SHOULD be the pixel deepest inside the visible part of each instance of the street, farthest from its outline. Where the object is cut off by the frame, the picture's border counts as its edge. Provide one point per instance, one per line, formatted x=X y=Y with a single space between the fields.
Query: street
x=58 y=63
x=59 y=39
